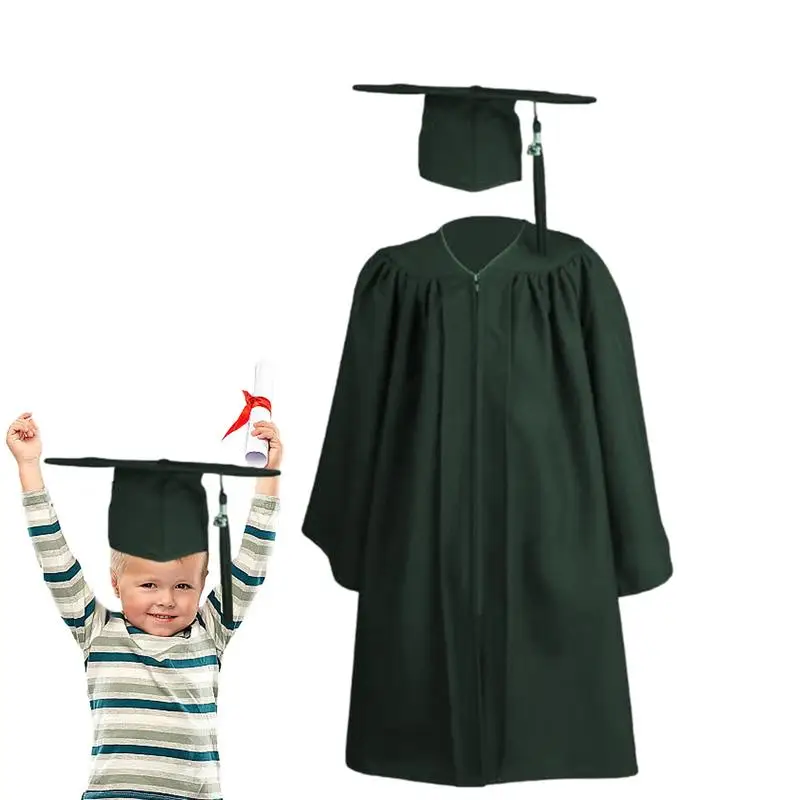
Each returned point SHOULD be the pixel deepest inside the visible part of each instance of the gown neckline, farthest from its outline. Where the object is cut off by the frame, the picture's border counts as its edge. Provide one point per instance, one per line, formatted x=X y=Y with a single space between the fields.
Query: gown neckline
x=505 y=250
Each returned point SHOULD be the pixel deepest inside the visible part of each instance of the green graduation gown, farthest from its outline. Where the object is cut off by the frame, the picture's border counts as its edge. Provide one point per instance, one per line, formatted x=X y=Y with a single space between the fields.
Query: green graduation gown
x=485 y=484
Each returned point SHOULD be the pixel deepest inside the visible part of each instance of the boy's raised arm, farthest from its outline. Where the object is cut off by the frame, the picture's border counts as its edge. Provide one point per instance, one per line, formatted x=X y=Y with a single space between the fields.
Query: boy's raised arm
x=249 y=567
x=62 y=573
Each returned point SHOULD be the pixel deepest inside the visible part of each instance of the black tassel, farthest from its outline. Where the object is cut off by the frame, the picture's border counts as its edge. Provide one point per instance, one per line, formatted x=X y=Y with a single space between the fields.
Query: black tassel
x=539 y=196
x=225 y=556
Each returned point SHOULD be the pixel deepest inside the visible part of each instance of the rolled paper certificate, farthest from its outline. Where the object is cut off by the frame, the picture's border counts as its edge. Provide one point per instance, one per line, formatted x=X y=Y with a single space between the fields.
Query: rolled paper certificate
x=257 y=450
x=257 y=406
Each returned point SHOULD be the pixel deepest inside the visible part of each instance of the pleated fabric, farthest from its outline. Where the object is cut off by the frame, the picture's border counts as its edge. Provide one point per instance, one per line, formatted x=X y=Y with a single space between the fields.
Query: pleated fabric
x=485 y=484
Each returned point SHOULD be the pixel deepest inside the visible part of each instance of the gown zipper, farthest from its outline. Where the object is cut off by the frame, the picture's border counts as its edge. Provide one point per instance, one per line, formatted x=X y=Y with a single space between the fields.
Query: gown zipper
x=477 y=549
x=477 y=541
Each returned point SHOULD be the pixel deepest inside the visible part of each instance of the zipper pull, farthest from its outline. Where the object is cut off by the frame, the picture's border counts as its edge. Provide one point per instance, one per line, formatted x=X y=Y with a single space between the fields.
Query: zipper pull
x=475 y=281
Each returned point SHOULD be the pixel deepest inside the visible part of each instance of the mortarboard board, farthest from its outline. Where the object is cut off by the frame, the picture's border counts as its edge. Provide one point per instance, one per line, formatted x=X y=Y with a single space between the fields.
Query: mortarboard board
x=470 y=137
x=159 y=509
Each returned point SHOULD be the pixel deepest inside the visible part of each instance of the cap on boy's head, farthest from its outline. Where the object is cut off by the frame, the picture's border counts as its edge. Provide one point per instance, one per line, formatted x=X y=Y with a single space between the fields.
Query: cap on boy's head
x=159 y=509
x=470 y=135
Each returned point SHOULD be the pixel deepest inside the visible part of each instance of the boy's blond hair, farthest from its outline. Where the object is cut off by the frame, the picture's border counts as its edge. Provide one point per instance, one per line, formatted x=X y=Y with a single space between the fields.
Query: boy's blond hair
x=119 y=559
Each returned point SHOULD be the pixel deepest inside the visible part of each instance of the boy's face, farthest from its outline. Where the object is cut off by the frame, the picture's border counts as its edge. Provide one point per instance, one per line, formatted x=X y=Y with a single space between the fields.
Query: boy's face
x=161 y=597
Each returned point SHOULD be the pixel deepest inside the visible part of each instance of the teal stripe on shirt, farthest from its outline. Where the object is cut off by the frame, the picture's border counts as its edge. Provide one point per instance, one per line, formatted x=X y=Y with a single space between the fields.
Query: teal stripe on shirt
x=63 y=577
x=154 y=705
x=259 y=533
x=151 y=750
x=42 y=530
x=246 y=578
x=131 y=794
x=77 y=622
x=231 y=626
x=178 y=663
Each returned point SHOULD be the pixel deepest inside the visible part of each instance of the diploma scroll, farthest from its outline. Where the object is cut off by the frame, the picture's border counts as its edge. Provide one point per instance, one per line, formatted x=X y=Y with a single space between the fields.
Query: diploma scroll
x=258 y=407
x=257 y=450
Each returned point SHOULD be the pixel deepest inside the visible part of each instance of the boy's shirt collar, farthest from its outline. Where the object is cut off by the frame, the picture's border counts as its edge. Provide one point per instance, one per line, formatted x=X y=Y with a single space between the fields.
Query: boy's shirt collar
x=131 y=628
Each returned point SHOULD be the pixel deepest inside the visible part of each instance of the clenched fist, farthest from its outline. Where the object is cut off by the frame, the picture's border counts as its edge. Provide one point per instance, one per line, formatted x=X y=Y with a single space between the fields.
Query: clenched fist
x=269 y=431
x=23 y=439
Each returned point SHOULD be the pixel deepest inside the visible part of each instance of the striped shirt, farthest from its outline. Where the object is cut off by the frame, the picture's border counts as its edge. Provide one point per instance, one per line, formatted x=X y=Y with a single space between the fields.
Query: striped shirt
x=153 y=698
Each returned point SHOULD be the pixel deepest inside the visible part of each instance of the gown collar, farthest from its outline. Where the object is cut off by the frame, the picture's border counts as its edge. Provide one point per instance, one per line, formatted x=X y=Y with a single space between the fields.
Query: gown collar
x=509 y=247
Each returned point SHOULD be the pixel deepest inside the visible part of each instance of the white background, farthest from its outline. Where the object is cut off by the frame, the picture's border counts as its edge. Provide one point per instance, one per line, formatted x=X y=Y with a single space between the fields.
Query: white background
x=186 y=187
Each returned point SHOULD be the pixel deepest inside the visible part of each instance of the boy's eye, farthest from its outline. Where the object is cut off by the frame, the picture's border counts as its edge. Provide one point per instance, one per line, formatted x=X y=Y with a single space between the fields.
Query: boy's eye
x=184 y=586
x=147 y=585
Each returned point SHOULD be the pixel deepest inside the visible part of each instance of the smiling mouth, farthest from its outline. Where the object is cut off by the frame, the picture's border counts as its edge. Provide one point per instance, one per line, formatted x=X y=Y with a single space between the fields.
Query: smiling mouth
x=164 y=617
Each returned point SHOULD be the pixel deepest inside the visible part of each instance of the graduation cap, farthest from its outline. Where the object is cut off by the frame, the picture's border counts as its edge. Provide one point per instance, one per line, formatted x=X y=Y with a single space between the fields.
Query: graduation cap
x=470 y=137
x=159 y=510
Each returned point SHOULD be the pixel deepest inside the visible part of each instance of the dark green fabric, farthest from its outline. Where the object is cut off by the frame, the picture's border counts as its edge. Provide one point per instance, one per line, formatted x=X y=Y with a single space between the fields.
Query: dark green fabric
x=470 y=135
x=477 y=92
x=485 y=484
x=469 y=144
x=158 y=516
x=165 y=465
x=159 y=508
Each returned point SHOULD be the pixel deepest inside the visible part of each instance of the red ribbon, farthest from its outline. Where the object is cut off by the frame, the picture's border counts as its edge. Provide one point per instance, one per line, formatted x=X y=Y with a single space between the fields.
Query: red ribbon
x=251 y=402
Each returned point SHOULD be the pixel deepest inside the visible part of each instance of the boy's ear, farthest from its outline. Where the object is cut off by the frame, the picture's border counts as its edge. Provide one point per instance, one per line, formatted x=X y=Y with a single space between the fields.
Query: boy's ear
x=114 y=583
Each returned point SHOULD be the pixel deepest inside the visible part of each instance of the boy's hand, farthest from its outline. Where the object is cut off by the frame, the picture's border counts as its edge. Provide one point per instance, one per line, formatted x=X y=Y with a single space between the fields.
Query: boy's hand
x=269 y=431
x=23 y=439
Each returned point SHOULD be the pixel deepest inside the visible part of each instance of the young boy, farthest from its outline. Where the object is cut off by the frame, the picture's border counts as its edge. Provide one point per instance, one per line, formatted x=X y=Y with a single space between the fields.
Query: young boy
x=153 y=669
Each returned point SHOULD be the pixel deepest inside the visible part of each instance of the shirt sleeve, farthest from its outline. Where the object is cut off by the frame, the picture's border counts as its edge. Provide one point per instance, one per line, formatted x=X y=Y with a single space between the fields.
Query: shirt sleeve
x=62 y=572
x=249 y=570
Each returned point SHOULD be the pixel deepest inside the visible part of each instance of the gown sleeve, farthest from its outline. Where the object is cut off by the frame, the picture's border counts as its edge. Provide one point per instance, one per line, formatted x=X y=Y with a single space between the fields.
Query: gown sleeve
x=83 y=614
x=641 y=549
x=337 y=515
